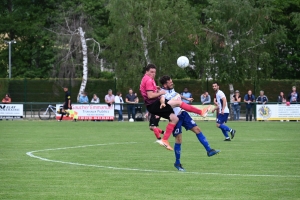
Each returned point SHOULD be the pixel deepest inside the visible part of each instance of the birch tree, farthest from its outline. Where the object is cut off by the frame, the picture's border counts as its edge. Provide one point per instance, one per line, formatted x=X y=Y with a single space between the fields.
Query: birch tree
x=72 y=58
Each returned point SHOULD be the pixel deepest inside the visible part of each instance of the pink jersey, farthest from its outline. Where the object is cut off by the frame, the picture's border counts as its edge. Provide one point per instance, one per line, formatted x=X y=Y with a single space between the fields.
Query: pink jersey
x=148 y=84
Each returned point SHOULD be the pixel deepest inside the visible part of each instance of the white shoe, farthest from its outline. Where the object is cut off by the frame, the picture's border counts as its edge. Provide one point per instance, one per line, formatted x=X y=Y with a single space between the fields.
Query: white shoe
x=160 y=142
x=59 y=120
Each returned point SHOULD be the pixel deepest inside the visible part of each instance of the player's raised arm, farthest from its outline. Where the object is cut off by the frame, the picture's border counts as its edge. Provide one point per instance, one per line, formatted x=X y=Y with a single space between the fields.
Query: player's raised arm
x=151 y=94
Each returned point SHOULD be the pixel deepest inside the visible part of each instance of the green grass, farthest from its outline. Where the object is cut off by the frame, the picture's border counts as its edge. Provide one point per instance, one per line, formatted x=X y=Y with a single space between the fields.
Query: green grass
x=262 y=162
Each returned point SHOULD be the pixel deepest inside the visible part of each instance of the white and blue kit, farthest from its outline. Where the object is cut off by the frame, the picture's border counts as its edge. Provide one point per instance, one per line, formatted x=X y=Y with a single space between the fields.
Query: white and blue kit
x=184 y=118
x=221 y=118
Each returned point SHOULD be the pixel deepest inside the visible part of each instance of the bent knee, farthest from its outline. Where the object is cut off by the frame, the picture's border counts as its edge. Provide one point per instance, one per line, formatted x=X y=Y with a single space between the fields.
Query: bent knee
x=173 y=118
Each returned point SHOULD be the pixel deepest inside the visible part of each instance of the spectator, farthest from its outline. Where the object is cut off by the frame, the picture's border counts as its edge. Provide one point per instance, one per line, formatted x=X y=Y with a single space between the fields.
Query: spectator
x=205 y=98
x=6 y=99
x=118 y=105
x=185 y=95
x=281 y=98
x=83 y=98
x=249 y=99
x=95 y=99
x=262 y=99
x=236 y=99
x=131 y=100
x=109 y=98
x=137 y=98
x=294 y=96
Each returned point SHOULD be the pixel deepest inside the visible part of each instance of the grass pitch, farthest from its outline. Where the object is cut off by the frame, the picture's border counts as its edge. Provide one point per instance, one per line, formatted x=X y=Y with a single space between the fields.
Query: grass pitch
x=111 y=160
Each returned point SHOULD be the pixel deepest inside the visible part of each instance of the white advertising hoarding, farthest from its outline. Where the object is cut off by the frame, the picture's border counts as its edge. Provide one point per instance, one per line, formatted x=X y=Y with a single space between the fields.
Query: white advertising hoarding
x=11 y=111
x=278 y=112
x=89 y=112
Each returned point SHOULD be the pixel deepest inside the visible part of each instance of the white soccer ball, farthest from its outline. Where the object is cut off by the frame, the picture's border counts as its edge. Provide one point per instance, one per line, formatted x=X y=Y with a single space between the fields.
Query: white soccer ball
x=183 y=61
x=131 y=120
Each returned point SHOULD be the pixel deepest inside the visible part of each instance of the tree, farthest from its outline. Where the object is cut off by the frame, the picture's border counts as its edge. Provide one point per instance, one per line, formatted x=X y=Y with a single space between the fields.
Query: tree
x=149 y=31
x=286 y=62
x=32 y=55
x=242 y=37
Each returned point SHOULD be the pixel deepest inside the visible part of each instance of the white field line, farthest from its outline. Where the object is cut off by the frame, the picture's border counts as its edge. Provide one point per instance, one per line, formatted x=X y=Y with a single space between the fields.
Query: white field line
x=31 y=154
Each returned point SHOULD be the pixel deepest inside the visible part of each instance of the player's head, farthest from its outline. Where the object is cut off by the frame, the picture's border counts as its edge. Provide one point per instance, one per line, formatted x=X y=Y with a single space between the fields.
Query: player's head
x=150 y=70
x=215 y=86
x=166 y=82
x=65 y=88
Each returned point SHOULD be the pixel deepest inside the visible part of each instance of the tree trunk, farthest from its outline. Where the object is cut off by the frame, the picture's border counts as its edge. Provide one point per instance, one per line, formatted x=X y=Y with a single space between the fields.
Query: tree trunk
x=145 y=45
x=84 y=64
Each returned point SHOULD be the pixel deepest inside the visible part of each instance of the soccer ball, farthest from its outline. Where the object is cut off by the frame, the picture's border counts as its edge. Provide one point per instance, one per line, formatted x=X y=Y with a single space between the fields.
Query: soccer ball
x=183 y=62
x=131 y=120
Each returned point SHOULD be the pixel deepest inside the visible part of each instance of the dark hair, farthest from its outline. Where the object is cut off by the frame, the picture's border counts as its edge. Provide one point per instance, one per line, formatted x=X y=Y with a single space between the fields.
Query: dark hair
x=163 y=80
x=7 y=95
x=149 y=66
x=216 y=83
x=118 y=93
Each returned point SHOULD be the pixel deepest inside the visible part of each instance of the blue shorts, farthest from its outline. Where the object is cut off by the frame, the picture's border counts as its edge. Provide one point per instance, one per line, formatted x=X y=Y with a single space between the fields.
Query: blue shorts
x=186 y=121
x=222 y=118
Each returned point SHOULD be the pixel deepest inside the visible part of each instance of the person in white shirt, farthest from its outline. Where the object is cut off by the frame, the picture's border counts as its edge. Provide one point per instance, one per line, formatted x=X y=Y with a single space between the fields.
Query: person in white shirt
x=223 y=112
x=185 y=121
x=118 y=105
x=95 y=99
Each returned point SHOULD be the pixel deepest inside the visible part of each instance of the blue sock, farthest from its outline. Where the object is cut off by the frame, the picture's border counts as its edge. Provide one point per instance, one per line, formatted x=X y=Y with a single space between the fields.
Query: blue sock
x=203 y=141
x=177 y=151
x=224 y=127
x=225 y=133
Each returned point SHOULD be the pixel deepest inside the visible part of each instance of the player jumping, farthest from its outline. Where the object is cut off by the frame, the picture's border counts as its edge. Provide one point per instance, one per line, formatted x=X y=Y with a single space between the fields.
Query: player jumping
x=159 y=106
x=223 y=113
x=186 y=121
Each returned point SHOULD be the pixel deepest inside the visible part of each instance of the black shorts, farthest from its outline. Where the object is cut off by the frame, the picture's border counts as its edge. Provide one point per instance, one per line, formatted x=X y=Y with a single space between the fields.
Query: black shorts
x=153 y=120
x=165 y=112
x=66 y=107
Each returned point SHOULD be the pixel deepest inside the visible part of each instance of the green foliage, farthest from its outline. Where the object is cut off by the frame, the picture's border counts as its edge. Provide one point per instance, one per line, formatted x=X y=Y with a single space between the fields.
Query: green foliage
x=242 y=38
x=166 y=26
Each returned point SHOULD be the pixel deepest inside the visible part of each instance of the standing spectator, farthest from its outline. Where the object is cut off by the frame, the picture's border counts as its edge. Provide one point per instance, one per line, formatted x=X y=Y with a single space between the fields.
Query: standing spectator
x=185 y=95
x=281 y=98
x=6 y=99
x=236 y=98
x=294 y=96
x=95 y=99
x=83 y=98
x=109 y=98
x=262 y=99
x=131 y=100
x=118 y=105
x=249 y=99
x=205 y=98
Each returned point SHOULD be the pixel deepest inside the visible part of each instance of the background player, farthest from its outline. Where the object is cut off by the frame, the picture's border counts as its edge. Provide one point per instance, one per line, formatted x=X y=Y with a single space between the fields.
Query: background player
x=223 y=112
x=67 y=104
x=159 y=106
x=185 y=120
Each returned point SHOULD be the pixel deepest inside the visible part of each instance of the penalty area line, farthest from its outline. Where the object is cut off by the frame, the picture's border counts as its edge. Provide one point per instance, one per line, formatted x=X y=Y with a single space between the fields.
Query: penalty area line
x=31 y=154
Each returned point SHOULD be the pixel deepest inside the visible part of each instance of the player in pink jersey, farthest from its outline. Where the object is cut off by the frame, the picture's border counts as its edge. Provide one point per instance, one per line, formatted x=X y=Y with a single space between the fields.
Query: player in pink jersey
x=160 y=106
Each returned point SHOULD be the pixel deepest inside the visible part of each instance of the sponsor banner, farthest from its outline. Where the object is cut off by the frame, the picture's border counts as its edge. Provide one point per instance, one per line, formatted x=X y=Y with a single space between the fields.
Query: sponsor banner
x=11 y=111
x=278 y=112
x=206 y=109
x=88 y=112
